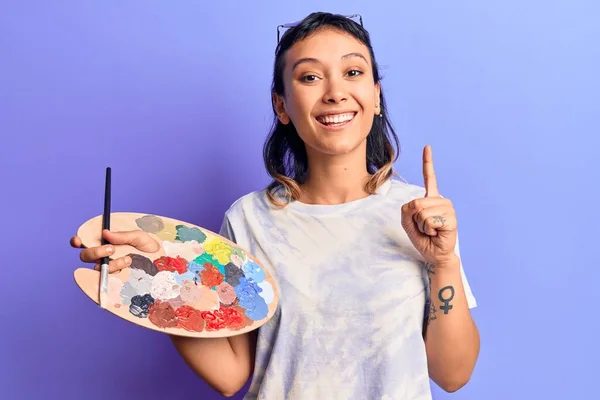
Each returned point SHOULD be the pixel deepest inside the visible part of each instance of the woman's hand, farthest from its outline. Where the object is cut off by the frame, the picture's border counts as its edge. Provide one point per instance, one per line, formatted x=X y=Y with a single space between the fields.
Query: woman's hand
x=137 y=238
x=430 y=222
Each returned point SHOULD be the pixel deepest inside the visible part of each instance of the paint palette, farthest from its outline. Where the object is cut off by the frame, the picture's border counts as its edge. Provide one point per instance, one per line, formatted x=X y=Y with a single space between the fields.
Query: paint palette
x=198 y=284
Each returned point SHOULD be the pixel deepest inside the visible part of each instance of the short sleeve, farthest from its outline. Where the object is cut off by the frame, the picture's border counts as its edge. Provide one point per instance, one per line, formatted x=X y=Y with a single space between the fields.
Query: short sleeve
x=227 y=230
x=471 y=301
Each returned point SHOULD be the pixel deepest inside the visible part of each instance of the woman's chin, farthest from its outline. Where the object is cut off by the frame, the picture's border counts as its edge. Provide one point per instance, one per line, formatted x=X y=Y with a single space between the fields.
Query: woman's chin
x=340 y=147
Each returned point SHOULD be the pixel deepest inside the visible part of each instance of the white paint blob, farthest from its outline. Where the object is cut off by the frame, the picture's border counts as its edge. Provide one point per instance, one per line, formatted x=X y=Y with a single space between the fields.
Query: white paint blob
x=164 y=286
x=267 y=291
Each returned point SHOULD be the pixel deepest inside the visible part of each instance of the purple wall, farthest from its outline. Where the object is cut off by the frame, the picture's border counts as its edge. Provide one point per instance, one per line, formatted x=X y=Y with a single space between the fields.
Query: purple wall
x=177 y=103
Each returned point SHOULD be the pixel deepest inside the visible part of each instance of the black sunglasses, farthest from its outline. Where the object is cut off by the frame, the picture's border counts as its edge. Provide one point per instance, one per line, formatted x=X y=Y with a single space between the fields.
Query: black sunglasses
x=293 y=24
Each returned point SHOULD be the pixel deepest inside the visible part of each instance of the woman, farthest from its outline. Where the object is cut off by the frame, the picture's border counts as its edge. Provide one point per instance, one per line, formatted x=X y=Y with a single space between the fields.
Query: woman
x=356 y=254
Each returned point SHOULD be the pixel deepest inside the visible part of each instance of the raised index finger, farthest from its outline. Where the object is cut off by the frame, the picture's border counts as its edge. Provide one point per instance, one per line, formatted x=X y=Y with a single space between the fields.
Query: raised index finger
x=431 y=189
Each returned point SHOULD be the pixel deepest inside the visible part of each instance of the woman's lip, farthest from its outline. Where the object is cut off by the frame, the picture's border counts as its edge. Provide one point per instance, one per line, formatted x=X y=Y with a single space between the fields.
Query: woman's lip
x=336 y=127
x=333 y=113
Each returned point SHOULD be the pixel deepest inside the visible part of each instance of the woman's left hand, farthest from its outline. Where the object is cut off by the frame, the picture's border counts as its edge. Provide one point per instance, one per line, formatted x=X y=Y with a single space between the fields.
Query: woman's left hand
x=430 y=222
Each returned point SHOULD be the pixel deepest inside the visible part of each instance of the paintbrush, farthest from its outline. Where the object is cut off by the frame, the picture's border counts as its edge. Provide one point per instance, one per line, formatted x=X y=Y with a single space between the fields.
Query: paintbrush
x=105 y=225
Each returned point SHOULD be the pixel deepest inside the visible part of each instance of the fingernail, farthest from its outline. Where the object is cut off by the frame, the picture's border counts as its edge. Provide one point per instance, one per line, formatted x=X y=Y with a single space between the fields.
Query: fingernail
x=127 y=260
x=109 y=249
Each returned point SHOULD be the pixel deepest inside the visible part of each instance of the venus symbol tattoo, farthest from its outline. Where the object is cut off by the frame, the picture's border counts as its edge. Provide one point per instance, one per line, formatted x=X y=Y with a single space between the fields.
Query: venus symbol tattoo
x=446 y=300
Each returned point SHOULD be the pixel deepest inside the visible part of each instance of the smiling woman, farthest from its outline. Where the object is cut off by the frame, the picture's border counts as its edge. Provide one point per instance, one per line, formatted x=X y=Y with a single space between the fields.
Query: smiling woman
x=326 y=93
x=373 y=297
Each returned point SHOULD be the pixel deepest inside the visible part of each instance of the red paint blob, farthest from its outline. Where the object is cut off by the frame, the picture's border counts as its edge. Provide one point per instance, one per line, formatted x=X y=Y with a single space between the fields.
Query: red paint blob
x=190 y=319
x=211 y=276
x=224 y=317
x=162 y=314
x=165 y=263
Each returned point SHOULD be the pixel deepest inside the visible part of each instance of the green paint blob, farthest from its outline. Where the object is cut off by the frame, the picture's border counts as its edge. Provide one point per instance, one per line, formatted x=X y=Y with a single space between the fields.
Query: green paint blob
x=186 y=234
x=238 y=252
x=208 y=258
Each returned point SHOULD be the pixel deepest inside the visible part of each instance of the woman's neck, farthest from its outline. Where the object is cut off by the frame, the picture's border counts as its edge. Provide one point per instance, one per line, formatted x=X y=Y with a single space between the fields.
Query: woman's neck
x=335 y=180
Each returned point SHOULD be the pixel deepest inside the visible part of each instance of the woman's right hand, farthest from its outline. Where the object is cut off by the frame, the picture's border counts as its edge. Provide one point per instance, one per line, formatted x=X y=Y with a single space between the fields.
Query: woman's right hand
x=137 y=238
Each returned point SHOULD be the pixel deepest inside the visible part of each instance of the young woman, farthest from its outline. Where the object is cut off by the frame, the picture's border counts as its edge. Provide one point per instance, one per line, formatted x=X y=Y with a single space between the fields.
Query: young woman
x=373 y=298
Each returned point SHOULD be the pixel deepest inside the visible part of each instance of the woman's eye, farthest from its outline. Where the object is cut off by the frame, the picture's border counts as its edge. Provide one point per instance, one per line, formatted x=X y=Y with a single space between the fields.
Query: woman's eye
x=309 y=78
x=353 y=73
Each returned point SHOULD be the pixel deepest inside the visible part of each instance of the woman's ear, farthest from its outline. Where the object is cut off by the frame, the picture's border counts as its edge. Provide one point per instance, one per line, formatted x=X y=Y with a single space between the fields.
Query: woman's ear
x=377 y=99
x=279 y=106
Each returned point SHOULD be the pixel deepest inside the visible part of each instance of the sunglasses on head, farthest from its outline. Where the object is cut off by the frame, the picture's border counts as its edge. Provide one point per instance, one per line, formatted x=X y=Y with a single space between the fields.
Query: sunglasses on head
x=293 y=24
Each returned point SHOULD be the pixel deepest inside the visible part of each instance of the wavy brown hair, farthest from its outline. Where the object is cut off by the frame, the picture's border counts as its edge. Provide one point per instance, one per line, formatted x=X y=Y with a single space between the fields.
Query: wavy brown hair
x=284 y=153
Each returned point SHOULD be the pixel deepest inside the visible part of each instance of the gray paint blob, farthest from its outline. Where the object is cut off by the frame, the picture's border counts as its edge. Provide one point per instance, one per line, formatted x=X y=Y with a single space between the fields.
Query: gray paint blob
x=145 y=264
x=150 y=223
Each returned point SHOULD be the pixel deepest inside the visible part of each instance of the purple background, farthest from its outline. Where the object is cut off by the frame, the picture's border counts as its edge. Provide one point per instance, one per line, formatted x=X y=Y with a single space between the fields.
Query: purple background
x=174 y=96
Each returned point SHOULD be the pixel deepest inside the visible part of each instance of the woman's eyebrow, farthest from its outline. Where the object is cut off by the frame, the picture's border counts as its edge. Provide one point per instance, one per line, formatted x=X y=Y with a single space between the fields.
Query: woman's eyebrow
x=312 y=60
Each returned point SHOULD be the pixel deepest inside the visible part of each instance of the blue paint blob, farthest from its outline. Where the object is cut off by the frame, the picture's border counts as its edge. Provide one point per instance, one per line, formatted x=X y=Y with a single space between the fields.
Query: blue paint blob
x=258 y=311
x=139 y=305
x=186 y=276
x=247 y=292
x=253 y=271
x=194 y=267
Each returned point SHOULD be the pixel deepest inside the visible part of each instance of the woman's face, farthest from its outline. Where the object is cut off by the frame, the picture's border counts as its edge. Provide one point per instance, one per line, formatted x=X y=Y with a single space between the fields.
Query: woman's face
x=330 y=95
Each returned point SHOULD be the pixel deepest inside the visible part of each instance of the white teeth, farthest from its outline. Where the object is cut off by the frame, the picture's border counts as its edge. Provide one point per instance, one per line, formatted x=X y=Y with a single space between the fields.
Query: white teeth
x=336 y=119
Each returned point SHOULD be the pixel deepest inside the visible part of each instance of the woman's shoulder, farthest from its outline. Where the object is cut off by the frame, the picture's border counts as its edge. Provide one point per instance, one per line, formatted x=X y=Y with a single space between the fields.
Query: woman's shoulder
x=400 y=188
x=254 y=200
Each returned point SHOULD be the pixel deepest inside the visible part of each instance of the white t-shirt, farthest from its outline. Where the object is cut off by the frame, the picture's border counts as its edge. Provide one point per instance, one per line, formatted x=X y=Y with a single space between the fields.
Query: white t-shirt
x=353 y=291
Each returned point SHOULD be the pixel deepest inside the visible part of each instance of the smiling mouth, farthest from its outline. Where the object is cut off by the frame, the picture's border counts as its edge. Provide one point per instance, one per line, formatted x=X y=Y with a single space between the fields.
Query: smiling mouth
x=336 y=120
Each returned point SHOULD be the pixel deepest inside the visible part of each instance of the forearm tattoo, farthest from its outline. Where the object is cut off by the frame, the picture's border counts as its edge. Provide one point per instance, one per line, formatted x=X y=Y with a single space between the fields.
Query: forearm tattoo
x=445 y=296
x=430 y=270
x=430 y=267
x=432 y=311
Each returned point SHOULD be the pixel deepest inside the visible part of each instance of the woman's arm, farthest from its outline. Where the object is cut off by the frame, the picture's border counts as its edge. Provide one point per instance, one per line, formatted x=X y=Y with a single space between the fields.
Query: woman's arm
x=225 y=364
x=451 y=336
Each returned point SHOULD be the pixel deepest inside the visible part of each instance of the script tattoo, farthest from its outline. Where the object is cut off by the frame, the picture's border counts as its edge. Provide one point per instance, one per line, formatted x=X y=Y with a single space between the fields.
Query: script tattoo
x=446 y=298
x=430 y=267
x=432 y=311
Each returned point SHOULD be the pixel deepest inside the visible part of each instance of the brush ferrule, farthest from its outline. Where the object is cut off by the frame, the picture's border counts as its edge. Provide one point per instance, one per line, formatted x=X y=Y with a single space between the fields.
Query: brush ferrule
x=104 y=278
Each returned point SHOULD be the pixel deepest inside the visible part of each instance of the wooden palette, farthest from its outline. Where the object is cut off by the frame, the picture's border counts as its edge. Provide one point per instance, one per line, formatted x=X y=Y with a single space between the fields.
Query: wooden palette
x=198 y=284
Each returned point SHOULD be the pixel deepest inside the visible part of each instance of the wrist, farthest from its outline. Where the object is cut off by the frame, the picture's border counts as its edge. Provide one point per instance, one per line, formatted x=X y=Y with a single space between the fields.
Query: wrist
x=447 y=273
x=448 y=263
